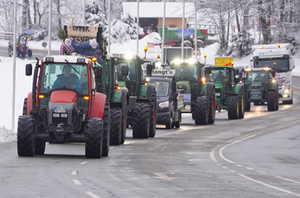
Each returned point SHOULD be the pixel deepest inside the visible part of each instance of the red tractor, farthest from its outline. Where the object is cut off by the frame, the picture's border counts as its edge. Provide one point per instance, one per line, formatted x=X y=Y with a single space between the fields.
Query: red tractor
x=63 y=106
x=21 y=46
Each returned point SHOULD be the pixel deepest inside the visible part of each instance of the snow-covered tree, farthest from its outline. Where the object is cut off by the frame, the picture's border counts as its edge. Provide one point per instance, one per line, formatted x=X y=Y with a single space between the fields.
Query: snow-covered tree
x=95 y=16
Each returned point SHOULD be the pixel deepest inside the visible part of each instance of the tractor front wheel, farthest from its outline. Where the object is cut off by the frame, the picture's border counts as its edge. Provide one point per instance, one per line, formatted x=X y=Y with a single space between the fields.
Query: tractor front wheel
x=106 y=130
x=141 y=121
x=94 y=138
x=233 y=107
x=25 y=136
x=116 y=126
x=201 y=111
x=272 y=101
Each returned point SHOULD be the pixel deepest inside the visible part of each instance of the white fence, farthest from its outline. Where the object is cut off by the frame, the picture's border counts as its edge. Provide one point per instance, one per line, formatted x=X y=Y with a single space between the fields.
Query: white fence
x=6 y=35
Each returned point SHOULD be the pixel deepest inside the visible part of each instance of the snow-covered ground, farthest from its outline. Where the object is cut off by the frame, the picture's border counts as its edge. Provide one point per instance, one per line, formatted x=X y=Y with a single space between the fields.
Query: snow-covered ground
x=24 y=83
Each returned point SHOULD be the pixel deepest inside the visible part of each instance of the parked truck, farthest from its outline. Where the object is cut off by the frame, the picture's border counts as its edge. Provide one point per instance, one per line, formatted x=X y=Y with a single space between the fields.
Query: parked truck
x=279 y=58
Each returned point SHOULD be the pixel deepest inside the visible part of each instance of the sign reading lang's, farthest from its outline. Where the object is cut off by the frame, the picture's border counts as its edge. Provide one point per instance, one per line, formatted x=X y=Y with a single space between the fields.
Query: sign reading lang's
x=161 y=72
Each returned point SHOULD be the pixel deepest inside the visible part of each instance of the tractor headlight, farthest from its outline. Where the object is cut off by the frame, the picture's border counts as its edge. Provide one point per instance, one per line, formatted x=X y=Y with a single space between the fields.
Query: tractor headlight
x=286 y=91
x=64 y=115
x=164 y=104
x=56 y=115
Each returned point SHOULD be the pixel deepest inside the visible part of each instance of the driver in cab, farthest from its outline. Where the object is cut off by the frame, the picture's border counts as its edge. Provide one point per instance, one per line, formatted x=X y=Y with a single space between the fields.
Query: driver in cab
x=67 y=80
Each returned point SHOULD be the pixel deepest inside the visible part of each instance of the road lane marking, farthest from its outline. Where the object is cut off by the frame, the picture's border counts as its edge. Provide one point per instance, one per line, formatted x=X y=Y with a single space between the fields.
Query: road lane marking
x=163 y=176
x=76 y=182
x=83 y=163
x=74 y=172
x=288 y=179
x=268 y=185
x=248 y=136
x=92 y=194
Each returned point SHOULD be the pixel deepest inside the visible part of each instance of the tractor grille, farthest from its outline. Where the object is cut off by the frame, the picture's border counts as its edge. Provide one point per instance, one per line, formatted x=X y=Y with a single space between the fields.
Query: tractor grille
x=58 y=118
x=218 y=93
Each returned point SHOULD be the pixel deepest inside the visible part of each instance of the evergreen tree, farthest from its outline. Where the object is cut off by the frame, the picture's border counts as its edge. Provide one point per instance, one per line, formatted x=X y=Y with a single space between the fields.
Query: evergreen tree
x=95 y=15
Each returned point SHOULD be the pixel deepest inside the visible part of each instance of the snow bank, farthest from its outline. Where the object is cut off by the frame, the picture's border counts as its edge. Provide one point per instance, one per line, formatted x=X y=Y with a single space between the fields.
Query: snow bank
x=7 y=135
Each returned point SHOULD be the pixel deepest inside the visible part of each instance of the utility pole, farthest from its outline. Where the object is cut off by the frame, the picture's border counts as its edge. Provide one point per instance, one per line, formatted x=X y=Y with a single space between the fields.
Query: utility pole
x=182 y=32
x=14 y=67
x=49 y=33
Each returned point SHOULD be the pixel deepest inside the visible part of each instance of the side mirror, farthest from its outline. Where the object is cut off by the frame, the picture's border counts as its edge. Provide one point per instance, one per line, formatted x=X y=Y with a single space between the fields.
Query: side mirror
x=98 y=72
x=28 y=70
x=124 y=70
x=273 y=73
x=149 y=70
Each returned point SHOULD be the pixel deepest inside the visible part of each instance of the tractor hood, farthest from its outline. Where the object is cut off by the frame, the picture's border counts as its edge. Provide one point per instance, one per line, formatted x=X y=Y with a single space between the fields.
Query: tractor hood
x=218 y=86
x=63 y=96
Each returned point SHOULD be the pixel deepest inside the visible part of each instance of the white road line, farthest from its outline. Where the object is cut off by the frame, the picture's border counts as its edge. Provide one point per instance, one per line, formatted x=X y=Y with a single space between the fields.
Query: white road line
x=268 y=185
x=83 y=163
x=288 y=179
x=92 y=194
x=212 y=156
x=74 y=172
x=76 y=182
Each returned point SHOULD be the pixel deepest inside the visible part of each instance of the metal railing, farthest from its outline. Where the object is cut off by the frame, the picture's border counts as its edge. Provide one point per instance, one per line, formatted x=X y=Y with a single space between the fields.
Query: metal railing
x=6 y=35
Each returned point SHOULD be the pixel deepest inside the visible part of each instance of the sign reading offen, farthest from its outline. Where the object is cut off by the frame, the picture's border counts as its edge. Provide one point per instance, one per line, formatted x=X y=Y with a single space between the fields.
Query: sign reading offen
x=82 y=33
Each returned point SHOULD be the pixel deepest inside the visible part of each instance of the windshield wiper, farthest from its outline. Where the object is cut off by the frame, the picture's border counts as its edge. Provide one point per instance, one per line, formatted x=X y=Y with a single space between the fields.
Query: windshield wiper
x=71 y=66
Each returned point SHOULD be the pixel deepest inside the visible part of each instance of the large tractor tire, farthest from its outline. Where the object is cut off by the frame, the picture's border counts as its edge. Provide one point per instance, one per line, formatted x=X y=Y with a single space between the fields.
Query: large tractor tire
x=242 y=104
x=116 y=126
x=201 y=111
x=94 y=138
x=153 y=111
x=212 y=109
x=124 y=125
x=272 y=101
x=247 y=106
x=106 y=130
x=25 y=136
x=29 y=52
x=233 y=107
x=39 y=146
x=141 y=121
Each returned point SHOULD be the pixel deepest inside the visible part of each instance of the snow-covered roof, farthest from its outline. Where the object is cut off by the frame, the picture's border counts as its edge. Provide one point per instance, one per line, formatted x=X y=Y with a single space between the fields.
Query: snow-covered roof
x=156 y=9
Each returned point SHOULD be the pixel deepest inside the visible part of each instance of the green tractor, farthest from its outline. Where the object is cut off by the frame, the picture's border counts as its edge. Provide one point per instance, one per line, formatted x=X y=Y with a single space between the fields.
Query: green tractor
x=117 y=99
x=230 y=93
x=261 y=87
x=142 y=115
x=199 y=95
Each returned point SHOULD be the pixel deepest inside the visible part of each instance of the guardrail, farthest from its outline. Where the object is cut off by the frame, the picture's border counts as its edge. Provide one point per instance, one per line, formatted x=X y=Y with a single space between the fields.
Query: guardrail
x=6 y=35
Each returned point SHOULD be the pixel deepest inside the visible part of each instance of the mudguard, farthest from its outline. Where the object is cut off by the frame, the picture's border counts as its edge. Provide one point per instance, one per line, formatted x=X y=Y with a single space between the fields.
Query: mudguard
x=209 y=88
x=98 y=105
x=29 y=102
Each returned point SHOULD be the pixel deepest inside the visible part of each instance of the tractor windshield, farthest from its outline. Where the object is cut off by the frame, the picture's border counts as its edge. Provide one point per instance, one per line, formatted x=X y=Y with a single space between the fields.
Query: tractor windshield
x=218 y=75
x=257 y=76
x=64 y=76
x=186 y=72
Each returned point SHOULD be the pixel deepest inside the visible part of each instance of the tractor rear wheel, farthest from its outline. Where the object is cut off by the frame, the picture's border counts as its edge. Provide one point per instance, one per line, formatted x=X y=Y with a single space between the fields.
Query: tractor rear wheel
x=242 y=104
x=201 y=111
x=212 y=109
x=233 y=107
x=106 y=130
x=29 y=52
x=272 y=101
x=124 y=125
x=94 y=138
x=25 y=136
x=247 y=106
x=141 y=121
x=116 y=126
x=153 y=109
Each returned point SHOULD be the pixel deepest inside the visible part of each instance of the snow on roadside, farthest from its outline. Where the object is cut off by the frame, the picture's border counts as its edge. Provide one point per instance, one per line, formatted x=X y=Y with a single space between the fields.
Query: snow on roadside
x=7 y=135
